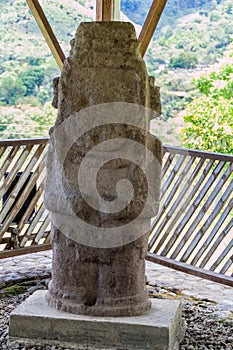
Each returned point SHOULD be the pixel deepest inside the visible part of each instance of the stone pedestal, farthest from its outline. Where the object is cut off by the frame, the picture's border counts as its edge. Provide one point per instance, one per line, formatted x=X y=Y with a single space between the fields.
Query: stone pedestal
x=36 y=323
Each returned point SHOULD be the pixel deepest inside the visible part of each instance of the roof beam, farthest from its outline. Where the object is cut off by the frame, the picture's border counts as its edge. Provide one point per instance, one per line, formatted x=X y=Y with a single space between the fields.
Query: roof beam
x=105 y=10
x=47 y=31
x=117 y=10
x=150 y=24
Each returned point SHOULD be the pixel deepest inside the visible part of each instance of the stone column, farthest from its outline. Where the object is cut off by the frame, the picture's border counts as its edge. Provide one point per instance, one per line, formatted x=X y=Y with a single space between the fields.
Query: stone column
x=104 y=66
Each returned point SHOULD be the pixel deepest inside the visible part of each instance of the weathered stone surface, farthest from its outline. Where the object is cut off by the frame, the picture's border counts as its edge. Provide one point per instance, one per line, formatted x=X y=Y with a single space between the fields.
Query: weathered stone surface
x=104 y=66
x=160 y=329
x=103 y=282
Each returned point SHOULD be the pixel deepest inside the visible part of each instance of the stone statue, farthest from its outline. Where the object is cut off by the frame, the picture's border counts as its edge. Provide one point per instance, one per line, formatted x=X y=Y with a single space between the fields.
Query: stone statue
x=104 y=67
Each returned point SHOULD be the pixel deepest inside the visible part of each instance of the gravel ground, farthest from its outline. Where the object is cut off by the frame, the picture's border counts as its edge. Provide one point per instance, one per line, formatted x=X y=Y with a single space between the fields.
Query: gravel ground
x=206 y=326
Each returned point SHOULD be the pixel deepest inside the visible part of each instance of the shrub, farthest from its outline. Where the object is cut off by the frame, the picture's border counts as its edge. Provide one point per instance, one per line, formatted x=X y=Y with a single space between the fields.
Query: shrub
x=184 y=60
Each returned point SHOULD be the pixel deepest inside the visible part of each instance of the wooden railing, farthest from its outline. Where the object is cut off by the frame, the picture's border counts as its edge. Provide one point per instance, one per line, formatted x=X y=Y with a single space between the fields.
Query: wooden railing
x=195 y=221
x=193 y=226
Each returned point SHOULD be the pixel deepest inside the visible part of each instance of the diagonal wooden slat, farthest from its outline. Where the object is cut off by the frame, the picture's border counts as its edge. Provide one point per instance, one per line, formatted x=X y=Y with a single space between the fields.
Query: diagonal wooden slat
x=17 y=206
x=179 y=181
x=167 y=164
x=150 y=24
x=163 y=218
x=30 y=207
x=227 y=193
x=194 y=205
x=227 y=266
x=32 y=226
x=224 y=253
x=183 y=207
x=47 y=31
x=172 y=175
x=168 y=199
x=45 y=224
x=17 y=188
x=211 y=237
x=15 y=169
x=8 y=161
x=217 y=188
x=2 y=151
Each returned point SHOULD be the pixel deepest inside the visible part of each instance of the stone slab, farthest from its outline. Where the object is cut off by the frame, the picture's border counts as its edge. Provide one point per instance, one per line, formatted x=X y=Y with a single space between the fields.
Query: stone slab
x=36 y=323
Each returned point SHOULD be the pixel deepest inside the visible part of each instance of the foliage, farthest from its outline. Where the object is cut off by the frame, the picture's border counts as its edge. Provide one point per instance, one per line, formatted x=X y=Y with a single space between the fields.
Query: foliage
x=32 y=79
x=5 y=122
x=11 y=126
x=28 y=63
x=208 y=119
x=26 y=121
x=184 y=60
x=209 y=125
x=194 y=36
x=11 y=89
x=27 y=67
x=44 y=120
x=26 y=82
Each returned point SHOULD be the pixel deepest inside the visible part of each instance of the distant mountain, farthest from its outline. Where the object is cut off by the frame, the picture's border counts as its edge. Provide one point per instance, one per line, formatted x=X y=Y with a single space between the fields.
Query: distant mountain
x=199 y=28
x=137 y=10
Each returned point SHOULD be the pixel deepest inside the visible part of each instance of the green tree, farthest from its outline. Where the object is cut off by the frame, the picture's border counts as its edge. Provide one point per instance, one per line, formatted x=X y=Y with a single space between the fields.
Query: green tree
x=209 y=118
x=183 y=60
x=10 y=90
x=33 y=78
x=44 y=120
x=209 y=125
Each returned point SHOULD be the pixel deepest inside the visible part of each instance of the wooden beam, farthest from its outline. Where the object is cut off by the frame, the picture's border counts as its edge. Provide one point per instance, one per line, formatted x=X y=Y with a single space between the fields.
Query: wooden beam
x=104 y=10
x=117 y=10
x=150 y=24
x=47 y=31
x=191 y=270
x=26 y=250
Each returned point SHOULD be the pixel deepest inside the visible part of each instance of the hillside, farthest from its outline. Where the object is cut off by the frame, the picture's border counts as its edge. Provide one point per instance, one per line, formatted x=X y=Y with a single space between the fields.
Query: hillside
x=191 y=36
x=17 y=22
x=137 y=10
x=179 y=54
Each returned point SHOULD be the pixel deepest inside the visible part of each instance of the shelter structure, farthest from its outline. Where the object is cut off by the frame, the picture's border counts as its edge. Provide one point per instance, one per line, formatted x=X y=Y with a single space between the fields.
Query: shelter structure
x=106 y=10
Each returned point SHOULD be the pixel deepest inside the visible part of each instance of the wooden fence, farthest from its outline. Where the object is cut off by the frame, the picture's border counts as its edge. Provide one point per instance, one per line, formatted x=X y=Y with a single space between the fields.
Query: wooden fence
x=24 y=220
x=194 y=224
x=195 y=221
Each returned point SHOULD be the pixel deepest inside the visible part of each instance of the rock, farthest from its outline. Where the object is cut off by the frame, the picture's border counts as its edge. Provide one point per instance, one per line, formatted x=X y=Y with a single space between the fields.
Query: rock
x=2 y=284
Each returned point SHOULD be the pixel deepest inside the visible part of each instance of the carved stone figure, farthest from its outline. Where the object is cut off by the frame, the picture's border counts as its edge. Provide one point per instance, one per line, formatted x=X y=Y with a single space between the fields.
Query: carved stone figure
x=105 y=66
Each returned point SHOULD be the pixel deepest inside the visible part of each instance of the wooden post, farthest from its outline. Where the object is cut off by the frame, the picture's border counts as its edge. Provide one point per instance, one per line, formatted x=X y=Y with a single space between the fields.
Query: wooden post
x=104 y=10
x=47 y=31
x=150 y=24
x=117 y=10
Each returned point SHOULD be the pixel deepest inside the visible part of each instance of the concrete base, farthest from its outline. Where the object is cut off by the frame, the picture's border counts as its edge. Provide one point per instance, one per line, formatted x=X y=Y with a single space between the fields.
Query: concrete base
x=36 y=323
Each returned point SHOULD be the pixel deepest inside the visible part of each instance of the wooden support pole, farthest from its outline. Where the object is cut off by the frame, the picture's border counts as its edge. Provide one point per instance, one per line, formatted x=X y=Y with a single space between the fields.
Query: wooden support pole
x=47 y=31
x=104 y=10
x=150 y=24
x=117 y=10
